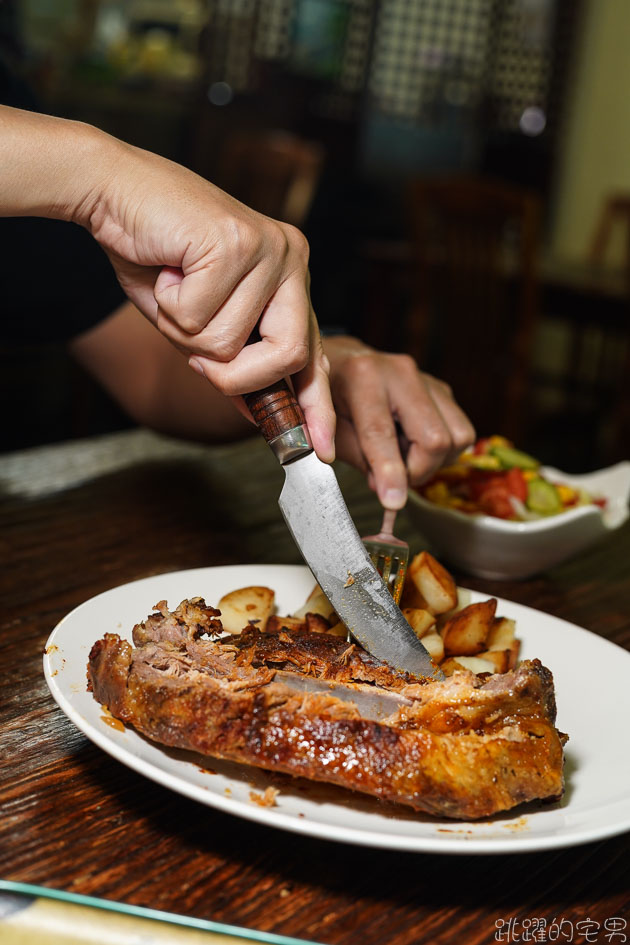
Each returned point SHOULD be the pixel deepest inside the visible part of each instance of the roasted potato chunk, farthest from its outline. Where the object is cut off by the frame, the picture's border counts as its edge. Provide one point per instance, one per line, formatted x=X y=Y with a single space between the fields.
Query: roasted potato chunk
x=502 y=633
x=429 y=586
x=317 y=603
x=420 y=621
x=466 y=632
x=500 y=659
x=245 y=606
x=434 y=644
x=474 y=663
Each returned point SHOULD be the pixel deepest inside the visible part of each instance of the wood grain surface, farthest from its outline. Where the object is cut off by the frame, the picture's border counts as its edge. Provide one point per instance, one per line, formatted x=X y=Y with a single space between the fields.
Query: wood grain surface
x=72 y=818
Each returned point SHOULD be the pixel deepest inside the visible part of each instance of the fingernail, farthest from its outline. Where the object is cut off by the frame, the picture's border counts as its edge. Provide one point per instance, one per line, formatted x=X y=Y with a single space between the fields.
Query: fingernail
x=324 y=437
x=394 y=498
x=329 y=451
x=196 y=366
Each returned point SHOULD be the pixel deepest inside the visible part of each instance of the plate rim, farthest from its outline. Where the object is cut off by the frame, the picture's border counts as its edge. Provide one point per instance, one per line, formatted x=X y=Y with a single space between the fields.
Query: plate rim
x=270 y=817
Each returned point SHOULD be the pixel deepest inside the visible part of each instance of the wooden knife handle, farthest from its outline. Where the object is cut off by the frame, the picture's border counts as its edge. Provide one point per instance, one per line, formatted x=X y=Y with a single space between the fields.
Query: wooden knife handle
x=275 y=410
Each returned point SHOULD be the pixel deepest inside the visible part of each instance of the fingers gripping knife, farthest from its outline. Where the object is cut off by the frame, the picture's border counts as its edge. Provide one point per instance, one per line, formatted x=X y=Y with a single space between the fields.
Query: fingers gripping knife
x=318 y=519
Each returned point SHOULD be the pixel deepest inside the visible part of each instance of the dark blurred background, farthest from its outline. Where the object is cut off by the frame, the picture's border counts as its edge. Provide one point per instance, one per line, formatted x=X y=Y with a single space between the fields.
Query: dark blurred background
x=461 y=169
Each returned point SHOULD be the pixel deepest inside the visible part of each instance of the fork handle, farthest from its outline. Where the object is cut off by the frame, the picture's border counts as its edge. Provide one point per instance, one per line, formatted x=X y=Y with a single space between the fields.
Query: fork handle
x=389 y=519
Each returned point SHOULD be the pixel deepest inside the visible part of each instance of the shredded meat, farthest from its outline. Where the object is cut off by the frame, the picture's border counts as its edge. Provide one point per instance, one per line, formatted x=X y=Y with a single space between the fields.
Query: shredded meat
x=467 y=747
x=314 y=654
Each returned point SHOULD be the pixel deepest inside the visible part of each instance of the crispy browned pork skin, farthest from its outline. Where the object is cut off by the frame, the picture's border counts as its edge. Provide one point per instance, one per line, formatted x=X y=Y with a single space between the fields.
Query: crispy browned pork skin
x=467 y=747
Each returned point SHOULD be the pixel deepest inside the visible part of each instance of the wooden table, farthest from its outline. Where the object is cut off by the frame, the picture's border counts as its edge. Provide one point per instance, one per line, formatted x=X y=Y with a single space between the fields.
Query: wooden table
x=74 y=819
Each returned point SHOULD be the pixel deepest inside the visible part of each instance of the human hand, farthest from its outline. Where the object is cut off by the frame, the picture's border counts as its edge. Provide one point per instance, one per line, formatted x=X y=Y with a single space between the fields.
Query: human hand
x=380 y=396
x=205 y=269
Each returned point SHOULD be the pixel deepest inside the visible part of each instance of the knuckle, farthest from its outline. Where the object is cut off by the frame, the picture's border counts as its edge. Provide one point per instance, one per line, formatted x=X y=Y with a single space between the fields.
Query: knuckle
x=464 y=435
x=297 y=242
x=221 y=346
x=220 y=350
x=437 y=440
x=295 y=356
x=378 y=431
x=225 y=349
x=244 y=239
x=405 y=363
x=361 y=365
x=188 y=323
x=175 y=328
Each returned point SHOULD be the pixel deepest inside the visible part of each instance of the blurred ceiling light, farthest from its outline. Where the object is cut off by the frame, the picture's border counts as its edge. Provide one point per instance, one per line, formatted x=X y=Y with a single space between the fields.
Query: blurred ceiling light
x=220 y=93
x=532 y=122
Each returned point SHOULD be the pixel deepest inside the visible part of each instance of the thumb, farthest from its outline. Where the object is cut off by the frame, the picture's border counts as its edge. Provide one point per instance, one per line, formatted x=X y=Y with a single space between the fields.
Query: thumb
x=190 y=300
x=138 y=283
x=166 y=289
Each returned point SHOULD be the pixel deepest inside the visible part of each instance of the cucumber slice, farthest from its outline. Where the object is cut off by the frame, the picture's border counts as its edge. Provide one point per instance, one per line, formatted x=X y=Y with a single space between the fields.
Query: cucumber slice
x=542 y=497
x=509 y=457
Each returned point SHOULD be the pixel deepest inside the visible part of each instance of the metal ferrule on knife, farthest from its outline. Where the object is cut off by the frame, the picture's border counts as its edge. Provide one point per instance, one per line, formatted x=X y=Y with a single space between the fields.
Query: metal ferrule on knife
x=292 y=444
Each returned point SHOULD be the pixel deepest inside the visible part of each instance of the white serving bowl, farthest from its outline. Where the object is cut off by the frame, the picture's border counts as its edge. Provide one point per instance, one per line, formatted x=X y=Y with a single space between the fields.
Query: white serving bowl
x=498 y=549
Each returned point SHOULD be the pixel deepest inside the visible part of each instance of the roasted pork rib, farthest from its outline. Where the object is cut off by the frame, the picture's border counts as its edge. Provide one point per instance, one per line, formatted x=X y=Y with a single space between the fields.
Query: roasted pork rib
x=466 y=748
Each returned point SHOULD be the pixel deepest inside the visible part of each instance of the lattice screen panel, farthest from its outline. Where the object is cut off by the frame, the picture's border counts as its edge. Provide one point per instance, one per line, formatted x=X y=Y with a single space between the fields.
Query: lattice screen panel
x=434 y=53
x=521 y=66
x=413 y=58
x=427 y=52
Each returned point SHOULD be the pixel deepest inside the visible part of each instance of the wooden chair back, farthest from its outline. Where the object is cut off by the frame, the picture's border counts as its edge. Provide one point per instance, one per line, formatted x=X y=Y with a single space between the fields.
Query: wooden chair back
x=274 y=172
x=596 y=385
x=475 y=293
x=614 y=214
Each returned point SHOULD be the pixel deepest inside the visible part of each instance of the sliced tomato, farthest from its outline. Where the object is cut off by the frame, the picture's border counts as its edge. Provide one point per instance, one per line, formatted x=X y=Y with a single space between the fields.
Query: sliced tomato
x=481 y=480
x=496 y=501
x=516 y=483
x=481 y=446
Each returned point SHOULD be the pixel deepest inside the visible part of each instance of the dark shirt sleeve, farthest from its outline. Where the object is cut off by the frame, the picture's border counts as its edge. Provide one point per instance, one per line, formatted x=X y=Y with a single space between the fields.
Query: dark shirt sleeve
x=56 y=281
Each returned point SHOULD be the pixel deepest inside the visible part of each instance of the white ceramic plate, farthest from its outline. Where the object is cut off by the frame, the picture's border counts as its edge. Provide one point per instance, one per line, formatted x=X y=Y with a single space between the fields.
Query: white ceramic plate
x=591 y=677
x=496 y=548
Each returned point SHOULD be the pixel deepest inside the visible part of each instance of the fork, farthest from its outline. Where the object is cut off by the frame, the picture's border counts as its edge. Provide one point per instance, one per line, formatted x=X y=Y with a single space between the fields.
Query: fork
x=390 y=555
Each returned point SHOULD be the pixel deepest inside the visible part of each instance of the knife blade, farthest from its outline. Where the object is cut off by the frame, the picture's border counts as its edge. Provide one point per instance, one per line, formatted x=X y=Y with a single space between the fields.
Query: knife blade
x=372 y=703
x=319 y=521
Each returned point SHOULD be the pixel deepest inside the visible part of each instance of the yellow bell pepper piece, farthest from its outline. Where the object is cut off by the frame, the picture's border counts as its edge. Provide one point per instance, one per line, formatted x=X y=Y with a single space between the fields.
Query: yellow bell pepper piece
x=438 y=492
x=567 y=494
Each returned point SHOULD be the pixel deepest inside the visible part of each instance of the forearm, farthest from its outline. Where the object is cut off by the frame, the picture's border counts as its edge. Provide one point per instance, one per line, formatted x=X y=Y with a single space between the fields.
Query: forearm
x=50 y=166
x=152 y=382
x=202 y=267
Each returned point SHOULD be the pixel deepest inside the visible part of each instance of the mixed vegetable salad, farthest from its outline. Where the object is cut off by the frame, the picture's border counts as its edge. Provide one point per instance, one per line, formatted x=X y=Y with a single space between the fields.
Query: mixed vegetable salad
x=494 y=478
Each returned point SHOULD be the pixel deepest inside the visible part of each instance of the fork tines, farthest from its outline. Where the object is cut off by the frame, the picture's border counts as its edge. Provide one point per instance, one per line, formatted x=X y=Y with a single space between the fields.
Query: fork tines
x=390 y=555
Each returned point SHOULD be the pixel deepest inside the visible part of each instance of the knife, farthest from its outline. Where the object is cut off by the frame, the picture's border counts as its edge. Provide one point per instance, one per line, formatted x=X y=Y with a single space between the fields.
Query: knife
x=371 y=701
x=320 y=523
